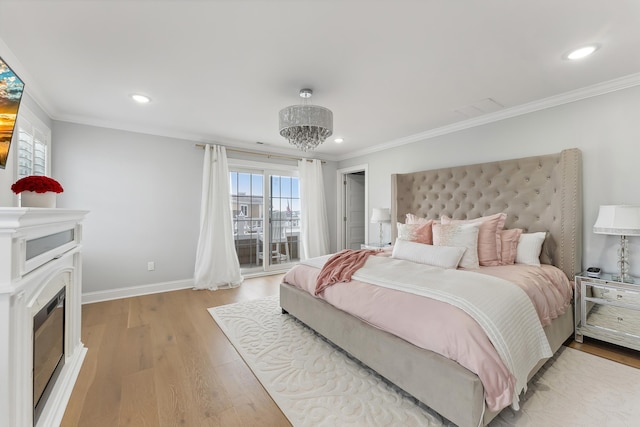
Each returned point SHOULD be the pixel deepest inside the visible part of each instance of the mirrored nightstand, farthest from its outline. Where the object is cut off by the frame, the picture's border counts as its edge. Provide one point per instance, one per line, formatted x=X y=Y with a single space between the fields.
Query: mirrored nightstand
x=607 y=310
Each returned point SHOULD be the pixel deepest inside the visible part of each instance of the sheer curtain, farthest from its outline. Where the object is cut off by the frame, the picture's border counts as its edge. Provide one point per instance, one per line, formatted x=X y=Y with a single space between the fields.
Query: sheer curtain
x=314 y=232
x=216 y=259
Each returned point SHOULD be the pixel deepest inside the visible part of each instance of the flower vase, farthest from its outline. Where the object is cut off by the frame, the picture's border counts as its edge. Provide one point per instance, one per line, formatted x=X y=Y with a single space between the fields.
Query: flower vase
x=31 y=199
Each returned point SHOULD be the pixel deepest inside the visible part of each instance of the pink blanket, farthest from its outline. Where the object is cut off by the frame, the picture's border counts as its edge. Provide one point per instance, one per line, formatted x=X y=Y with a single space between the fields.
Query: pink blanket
x=450 y=332
x=340 y=267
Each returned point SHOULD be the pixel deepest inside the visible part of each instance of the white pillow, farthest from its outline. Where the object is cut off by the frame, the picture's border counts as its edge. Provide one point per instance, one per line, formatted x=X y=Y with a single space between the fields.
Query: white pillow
x=529 y=248
x=460 y=236
x=437 y=256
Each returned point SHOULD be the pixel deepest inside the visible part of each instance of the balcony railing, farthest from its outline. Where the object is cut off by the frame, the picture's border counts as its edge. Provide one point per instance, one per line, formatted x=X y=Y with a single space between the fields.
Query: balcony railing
x=249 y=240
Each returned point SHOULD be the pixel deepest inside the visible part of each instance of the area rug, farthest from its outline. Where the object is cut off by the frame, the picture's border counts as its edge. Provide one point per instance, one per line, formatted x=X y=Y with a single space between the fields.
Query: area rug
x=316 y=384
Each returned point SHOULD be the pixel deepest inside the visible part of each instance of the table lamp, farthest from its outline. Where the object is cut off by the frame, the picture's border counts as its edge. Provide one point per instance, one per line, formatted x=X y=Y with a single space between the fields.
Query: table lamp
x=380 y=215
x=623 y=221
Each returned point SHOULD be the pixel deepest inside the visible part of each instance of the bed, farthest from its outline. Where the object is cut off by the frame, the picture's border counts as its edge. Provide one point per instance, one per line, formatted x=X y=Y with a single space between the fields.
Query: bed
x=538 y=194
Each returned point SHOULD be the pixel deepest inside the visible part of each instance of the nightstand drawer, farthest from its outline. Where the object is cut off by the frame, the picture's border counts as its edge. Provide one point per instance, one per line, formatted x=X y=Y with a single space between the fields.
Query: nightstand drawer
x=614 y=319
x=619 y=296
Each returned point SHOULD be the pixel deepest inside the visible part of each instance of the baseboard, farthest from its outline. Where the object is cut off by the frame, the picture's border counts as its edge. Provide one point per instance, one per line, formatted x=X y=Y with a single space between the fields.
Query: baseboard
x=134 y=291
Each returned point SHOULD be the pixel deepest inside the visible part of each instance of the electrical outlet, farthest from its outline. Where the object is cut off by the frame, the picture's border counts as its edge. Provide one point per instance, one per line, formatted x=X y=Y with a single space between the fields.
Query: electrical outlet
x=151 y=266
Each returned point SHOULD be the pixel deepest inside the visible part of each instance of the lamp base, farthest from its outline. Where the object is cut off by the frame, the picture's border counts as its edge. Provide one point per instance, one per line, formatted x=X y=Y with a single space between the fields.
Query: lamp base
x=623 y=262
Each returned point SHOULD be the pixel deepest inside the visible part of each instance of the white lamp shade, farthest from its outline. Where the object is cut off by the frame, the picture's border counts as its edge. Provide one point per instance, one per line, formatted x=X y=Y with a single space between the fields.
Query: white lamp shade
x=619 y=220
x=380 y=215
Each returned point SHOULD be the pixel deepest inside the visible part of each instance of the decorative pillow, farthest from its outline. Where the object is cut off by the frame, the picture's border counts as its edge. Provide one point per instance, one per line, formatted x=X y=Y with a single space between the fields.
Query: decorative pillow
x=437 y=256
x=414 y=219
x=529 y=248
x=462 y=236
x=509 y=241
x=420 y=233
x=489 y=243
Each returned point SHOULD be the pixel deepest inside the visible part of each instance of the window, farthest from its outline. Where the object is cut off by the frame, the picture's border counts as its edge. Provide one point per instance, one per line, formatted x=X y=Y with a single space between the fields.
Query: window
x=32 y=153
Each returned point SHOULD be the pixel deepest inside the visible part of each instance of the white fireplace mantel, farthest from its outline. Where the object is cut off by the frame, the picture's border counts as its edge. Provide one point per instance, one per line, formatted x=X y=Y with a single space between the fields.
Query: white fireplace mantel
x=30 y=273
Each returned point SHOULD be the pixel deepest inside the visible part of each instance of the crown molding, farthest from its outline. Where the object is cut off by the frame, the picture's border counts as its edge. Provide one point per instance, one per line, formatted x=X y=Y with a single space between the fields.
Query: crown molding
x=188 y=137
x=542 y=104
x=30 y=88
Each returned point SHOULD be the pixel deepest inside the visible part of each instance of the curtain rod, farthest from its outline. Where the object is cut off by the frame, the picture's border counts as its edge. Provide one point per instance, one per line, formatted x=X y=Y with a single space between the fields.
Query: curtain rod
x=259 y=153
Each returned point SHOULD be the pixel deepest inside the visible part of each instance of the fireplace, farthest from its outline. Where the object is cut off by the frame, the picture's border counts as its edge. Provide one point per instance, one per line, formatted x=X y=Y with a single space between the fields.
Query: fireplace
x=48 y=350
x=40 y=313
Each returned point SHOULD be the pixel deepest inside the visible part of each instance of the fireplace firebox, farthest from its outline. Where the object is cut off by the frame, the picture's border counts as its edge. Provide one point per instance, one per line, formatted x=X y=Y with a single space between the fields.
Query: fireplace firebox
x=48 y=350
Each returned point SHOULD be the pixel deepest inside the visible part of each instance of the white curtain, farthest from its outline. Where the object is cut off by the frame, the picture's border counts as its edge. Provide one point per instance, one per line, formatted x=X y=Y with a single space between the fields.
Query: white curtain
x=216 y=259
x=314 y=232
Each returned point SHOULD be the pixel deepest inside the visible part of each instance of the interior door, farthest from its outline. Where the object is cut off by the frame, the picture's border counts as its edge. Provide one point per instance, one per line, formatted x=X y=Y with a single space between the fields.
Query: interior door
x=354 y=220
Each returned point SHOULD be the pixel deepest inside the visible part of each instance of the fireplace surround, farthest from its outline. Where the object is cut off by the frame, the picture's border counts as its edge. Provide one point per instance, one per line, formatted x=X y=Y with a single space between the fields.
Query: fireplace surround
x=40 y=260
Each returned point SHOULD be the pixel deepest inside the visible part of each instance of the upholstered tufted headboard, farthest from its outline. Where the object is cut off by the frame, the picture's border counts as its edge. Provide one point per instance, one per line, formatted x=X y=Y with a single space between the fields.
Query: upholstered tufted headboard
x=542 y=193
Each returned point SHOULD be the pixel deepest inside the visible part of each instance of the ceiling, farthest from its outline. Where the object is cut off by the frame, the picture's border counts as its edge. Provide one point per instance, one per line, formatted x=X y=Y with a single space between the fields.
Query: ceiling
x=220 y=71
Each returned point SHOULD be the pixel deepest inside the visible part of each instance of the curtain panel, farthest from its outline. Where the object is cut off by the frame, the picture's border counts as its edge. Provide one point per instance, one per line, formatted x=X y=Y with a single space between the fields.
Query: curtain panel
x=314 y=226
x=217 y=263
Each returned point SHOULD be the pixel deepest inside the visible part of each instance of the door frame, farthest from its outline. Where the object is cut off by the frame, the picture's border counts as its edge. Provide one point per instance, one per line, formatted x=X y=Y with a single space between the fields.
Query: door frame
x=341 y=205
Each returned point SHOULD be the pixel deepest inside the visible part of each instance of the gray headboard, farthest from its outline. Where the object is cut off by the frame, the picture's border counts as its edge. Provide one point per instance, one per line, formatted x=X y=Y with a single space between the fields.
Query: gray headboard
x=541 y=193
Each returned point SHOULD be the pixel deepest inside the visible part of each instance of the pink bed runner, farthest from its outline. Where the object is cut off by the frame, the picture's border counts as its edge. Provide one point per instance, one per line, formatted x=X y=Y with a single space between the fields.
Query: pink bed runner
x=451 y=332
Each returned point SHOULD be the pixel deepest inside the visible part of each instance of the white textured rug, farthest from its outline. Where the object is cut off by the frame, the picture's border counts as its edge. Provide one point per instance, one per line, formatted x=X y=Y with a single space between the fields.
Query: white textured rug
x=316 y=384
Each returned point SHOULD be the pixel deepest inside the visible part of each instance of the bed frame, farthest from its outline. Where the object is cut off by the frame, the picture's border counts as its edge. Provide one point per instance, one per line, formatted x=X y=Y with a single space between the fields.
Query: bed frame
x=541 y=193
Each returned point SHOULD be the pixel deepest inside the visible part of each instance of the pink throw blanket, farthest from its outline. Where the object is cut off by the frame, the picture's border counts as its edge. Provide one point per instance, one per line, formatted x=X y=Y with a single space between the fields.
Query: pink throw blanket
x=341 y=266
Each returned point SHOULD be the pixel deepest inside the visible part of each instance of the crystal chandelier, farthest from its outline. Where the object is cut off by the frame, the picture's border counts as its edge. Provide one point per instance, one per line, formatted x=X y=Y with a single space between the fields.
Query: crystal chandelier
x=306 y=126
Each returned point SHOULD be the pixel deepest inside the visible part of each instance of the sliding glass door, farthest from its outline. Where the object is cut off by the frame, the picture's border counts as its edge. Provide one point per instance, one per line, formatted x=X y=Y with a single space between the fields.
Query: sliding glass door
x=266 y=218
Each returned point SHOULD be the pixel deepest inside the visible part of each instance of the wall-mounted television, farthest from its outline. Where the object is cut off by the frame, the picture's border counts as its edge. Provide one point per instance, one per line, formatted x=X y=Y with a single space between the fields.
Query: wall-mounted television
x=11 y=88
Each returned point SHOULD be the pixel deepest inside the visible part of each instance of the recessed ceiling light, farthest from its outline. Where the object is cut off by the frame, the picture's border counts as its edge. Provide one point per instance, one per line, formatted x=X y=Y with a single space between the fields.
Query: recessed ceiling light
x=142 y=99
x=338 y=140
x=581 y=52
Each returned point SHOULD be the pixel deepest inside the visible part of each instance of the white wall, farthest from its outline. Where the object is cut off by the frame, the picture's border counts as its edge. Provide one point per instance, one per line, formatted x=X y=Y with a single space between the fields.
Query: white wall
x=143 y=194
x=606 y=128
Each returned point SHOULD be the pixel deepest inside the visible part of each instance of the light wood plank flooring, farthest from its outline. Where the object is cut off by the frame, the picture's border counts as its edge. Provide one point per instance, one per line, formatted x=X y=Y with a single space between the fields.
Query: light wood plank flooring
x=613 y=352
x=161 y=360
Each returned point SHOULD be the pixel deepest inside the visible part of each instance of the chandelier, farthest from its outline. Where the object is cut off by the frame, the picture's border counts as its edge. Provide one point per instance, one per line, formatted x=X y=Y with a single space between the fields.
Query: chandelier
x=306 y=126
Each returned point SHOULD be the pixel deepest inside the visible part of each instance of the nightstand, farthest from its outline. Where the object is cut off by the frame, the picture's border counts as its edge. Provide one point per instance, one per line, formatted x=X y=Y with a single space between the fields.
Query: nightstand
x=607 y=310
x=375 y=245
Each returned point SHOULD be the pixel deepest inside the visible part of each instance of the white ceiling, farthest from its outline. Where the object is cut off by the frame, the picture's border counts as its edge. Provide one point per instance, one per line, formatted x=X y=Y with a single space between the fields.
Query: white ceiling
x=389 y=70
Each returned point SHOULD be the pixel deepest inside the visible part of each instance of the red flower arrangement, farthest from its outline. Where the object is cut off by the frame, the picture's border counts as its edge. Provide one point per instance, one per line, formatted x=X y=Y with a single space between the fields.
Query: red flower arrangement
x=37 y=184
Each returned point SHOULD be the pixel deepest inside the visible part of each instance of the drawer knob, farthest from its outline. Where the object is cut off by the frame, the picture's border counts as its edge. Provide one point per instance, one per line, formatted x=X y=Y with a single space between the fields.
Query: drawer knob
x=620 y=319
x=619 y=296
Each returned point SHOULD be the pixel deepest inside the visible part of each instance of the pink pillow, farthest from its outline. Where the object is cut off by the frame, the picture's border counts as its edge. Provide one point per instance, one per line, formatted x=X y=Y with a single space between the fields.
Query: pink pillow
x=509 y=240
x=489 y=242
x=414 y=219
x=419 y=233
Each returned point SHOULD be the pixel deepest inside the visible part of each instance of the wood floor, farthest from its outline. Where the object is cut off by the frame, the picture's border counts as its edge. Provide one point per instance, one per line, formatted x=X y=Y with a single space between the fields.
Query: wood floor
x=161 y=360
